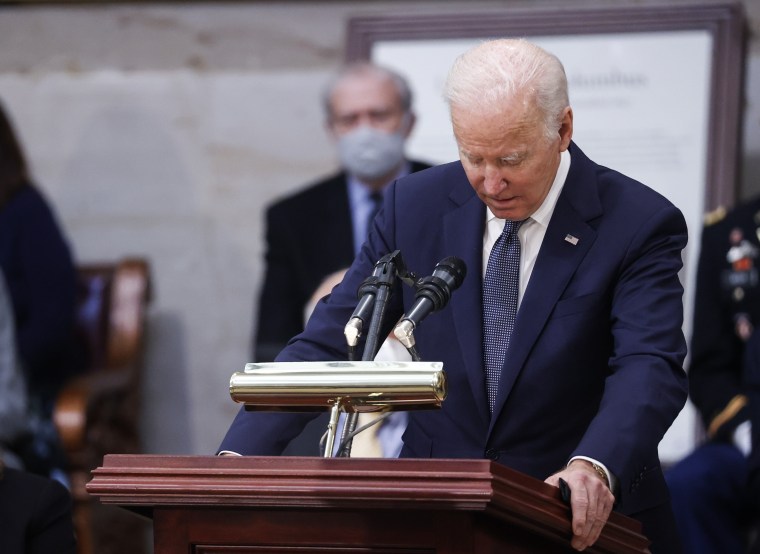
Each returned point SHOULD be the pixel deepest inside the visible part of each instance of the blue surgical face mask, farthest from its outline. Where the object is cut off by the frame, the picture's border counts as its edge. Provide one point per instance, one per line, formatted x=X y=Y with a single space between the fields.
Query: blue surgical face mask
x=370 y=153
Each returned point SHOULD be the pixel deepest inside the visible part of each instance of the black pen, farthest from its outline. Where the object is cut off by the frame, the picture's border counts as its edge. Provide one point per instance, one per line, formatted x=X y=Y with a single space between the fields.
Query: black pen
x=564 y=491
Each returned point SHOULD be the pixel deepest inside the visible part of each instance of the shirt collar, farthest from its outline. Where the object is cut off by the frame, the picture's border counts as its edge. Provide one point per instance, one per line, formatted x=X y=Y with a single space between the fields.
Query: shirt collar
x=360 y=191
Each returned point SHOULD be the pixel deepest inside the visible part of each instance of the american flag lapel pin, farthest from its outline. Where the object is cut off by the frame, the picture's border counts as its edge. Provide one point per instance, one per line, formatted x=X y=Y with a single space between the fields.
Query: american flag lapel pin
x=571 y=239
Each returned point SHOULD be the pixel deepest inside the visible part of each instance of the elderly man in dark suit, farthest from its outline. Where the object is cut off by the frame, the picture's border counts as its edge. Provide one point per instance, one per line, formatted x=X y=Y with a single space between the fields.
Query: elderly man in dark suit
x=319 y=230
x=583 y=382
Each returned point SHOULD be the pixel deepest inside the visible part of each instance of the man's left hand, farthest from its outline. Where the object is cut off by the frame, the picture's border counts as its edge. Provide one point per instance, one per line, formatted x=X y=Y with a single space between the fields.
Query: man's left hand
x=591 y=501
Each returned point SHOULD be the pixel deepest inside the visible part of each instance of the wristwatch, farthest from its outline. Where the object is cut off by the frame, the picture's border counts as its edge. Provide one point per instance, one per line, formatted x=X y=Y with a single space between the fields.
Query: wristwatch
x=602 y=474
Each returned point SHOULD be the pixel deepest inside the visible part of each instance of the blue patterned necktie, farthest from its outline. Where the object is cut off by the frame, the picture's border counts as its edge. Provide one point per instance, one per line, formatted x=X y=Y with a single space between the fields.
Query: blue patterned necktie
x=500 y=292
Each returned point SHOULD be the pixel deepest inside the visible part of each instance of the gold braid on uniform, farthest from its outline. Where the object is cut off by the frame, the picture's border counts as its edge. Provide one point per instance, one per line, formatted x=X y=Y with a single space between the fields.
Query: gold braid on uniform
x=726 y=414
x=713 y=217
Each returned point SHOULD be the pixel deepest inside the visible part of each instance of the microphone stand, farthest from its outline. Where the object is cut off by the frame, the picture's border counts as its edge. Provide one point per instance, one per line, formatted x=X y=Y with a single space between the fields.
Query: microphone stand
x=385 y=280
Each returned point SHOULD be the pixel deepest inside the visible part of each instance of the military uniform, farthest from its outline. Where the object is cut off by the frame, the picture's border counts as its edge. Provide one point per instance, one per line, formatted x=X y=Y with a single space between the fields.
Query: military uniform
x=716 y=489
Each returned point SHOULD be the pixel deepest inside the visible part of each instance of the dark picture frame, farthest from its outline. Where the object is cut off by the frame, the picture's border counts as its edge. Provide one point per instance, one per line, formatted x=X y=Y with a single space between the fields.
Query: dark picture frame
x=724 y=21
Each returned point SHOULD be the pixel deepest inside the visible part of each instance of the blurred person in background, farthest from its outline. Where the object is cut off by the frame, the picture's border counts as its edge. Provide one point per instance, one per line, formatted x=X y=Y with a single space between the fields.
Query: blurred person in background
x=39 y=271
x=716 y=489
x=319 y=230
x=35 y=512
x=13 y=399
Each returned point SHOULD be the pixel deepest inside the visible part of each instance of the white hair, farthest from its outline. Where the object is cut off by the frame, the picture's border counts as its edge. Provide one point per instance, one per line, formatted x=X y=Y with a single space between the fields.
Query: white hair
x=367 y=69
x=497 y=72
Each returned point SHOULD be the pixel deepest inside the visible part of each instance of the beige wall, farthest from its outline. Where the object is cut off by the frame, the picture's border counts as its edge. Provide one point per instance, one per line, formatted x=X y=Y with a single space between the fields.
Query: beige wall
x=164 y=130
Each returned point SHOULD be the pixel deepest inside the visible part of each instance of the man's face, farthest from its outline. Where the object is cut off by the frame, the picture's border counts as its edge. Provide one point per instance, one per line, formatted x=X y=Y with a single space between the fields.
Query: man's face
x=507 y=157
x=365 y=100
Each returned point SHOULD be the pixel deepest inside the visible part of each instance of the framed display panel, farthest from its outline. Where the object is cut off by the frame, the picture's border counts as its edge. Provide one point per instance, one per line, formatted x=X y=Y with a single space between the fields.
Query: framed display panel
x=655 y=90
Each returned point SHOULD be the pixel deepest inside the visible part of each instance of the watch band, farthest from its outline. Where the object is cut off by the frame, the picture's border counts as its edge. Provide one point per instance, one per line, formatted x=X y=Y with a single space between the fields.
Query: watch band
x=602 y=474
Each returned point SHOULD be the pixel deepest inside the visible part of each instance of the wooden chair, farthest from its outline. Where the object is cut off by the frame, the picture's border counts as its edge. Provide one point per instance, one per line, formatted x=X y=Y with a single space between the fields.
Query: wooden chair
x=98 y=412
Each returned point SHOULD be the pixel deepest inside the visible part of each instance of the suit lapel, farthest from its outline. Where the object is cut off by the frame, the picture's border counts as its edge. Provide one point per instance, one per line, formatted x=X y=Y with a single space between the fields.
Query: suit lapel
x=464 y=239
x=555 y=266
x=339 y=229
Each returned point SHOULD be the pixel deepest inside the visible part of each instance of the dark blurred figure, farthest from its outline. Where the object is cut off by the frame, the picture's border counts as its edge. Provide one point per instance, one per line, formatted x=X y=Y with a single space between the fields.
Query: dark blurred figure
x=35 y=515
x=716 y=489
x=41 y=279
x=13 y=398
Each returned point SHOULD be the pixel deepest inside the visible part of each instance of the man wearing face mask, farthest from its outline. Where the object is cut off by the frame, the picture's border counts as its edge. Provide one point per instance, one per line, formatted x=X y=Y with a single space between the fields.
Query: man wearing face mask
x=319 y=230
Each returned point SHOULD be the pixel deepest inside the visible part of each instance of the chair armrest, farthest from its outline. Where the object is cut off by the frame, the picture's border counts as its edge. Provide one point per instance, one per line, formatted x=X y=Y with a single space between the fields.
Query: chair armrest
x=74 y=402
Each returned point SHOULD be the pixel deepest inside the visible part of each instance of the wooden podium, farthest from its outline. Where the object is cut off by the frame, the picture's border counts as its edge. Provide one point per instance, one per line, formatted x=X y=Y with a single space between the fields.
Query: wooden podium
x=288 y=505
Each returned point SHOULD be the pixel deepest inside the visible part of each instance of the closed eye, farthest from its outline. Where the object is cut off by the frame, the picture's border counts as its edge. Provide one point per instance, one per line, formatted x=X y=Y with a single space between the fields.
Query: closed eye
x=512 y=161
x=474 y=161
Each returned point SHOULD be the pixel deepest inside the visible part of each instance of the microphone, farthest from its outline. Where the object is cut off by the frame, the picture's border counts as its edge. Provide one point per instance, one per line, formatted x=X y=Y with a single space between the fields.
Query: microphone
x=433 y=293
x=383 y=274
x=367 y=292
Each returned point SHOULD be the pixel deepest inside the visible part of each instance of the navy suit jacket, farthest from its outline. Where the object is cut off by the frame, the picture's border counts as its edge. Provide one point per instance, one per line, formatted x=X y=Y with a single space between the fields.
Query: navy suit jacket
x=595 y=366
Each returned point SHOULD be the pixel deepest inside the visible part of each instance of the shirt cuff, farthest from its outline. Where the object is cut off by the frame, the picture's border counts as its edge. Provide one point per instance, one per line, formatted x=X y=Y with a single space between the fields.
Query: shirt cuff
x=228 y=453
x=611 y=479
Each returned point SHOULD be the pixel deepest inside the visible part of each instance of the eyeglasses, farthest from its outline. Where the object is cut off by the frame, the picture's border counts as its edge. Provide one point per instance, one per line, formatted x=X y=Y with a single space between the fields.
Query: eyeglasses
x=384 y=119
